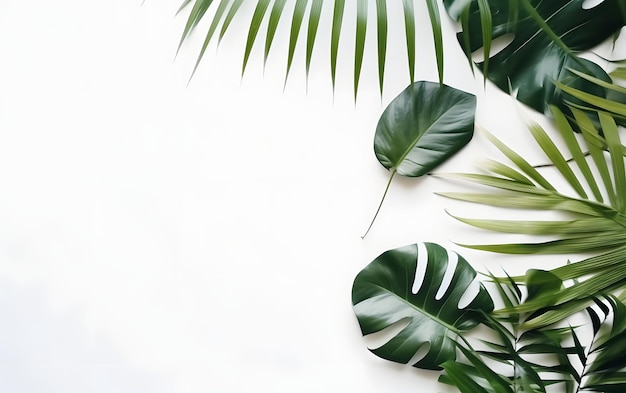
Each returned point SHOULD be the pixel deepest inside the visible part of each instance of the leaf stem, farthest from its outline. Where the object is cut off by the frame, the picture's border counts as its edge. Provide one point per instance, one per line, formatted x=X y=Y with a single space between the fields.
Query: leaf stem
x=585 y=154
x=393 y=172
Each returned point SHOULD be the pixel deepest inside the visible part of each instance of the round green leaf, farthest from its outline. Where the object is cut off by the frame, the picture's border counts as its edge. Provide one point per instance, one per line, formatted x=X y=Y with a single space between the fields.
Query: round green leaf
x=388 y=291
x=422 y=127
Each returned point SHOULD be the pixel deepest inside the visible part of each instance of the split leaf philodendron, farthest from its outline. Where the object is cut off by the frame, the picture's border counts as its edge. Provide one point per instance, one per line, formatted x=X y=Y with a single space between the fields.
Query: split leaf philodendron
x=547 y=38
x=426 y=287
x=421 y=128
x=389 y=290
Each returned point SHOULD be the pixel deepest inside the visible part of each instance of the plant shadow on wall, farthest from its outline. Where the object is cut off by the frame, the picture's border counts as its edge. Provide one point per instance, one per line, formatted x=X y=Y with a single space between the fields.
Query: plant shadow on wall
x=434 y=293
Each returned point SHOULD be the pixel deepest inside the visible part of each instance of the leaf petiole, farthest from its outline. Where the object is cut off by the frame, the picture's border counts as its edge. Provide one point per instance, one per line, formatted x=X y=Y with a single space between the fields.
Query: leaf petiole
x=393 y=172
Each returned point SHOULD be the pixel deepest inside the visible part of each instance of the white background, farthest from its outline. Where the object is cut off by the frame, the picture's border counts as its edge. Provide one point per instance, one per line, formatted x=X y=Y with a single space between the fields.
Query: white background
x=163 y=237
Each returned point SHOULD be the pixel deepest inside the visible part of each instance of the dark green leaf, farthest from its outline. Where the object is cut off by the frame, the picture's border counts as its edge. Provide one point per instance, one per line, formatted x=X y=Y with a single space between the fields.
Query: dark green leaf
x=409 y=32
x=541 y=282
x=296 y=24
x=435 y=23
x=334 y=38
x=381 y=26
x=277 y=10
x=388 y=290
x=314 y=21
x=257 y=18
x=548 y=35
x=423 y=126
x=361 y=29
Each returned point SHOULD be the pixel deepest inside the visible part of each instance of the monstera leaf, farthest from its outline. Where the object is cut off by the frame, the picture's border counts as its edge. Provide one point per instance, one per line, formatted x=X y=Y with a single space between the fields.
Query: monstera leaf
x=389 y=290
x=548 y=36
x=421 y=128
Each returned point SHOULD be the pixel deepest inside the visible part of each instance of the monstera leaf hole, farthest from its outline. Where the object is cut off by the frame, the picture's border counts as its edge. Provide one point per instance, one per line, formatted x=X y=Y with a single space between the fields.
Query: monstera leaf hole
x=429 y=287
x=376 y=340
x=421 y=128
x=549 y=37
x=589 y=4
x=498 y=44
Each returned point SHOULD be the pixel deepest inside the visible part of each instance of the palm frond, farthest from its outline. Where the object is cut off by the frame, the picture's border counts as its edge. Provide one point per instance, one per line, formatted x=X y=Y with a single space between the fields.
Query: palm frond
x=619 y=73
x=534 y=191
x=268 y=14
x=513 y=350
x=607 y=370
x=594 y=224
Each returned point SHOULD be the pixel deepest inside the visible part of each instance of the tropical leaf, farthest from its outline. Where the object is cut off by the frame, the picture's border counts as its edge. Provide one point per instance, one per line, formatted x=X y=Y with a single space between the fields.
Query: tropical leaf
x=608 y=347
x=389 y=290
x=595 y=225
x=602 y=363
x=514 y=351
x=421 y=286
x=614 y=102
x=421 y=128
x=605 y=219
x=619 y=73
x=548 y=36
x=309 y=13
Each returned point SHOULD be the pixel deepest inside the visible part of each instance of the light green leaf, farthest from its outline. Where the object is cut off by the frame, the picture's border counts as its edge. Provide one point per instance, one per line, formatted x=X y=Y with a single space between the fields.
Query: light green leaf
x=598 y=242
x=619 y=73
x=617 y=159
x=573 y=227
x=504 y=170
x=599 y=102
x=520 y=162
x=553 y=153
x=595 y=264
x=591 y=136
x=573 y=146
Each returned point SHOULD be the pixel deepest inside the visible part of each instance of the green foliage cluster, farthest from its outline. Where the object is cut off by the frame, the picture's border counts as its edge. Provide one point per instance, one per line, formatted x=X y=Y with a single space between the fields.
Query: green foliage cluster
x=517 y=356
x=533 y=344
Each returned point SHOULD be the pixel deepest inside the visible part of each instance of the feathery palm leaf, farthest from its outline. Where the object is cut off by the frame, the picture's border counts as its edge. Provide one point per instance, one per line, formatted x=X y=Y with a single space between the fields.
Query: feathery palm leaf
x=601 y=366
x=515 y=349
x=607 y=371
x=597 y=212
x=268 y=14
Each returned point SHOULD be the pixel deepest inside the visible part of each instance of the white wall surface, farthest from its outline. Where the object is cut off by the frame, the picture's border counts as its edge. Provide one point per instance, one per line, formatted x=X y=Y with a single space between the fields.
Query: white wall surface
x=170 y=238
